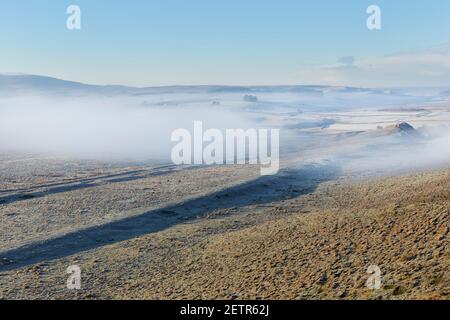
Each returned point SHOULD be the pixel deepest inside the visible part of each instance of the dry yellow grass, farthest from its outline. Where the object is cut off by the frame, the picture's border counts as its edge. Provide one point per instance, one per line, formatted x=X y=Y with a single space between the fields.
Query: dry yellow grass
x=316 y=246
x=399 y=224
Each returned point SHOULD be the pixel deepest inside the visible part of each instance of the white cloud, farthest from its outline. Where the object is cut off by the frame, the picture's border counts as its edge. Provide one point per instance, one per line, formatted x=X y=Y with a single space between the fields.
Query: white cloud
x=422 y=68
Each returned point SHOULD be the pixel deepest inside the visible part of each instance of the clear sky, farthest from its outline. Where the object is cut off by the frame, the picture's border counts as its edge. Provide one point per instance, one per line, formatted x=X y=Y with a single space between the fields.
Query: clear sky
x=163 y=42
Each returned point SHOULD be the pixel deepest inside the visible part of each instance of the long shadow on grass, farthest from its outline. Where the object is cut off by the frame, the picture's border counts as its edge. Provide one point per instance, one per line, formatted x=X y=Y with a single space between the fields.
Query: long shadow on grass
x=61 y=187
x=264 y=190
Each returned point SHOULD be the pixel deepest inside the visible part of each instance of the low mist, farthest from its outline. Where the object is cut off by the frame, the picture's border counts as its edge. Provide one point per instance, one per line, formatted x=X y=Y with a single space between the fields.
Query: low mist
x=118 y=128
x=393 y=154
x=136 y=128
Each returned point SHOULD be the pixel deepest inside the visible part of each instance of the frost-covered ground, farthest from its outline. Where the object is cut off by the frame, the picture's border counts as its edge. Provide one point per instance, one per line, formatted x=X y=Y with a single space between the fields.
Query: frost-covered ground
x=83 y=168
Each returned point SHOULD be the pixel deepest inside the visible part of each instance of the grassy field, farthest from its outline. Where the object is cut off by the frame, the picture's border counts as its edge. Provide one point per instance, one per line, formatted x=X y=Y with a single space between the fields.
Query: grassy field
x=314 y=246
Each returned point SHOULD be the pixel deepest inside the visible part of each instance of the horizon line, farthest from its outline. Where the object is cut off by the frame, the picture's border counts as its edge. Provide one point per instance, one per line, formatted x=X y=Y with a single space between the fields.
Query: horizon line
x=211 y=85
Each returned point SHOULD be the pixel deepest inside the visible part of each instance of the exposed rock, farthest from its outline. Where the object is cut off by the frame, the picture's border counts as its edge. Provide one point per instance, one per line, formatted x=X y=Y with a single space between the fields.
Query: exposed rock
x=403 y=129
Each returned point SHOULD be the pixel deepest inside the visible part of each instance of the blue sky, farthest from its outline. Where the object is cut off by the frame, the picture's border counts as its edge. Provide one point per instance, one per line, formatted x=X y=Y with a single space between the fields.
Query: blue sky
x=165 y=42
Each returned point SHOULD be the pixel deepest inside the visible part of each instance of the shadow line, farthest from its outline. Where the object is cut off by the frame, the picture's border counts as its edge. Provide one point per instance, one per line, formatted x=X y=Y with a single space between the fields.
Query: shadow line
x=263 y=190
x=25 y=194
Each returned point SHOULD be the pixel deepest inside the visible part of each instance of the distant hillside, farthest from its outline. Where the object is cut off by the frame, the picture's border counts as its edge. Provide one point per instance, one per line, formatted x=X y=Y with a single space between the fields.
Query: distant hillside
x=19 y=83
x=278 y=99
x=22 y=83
